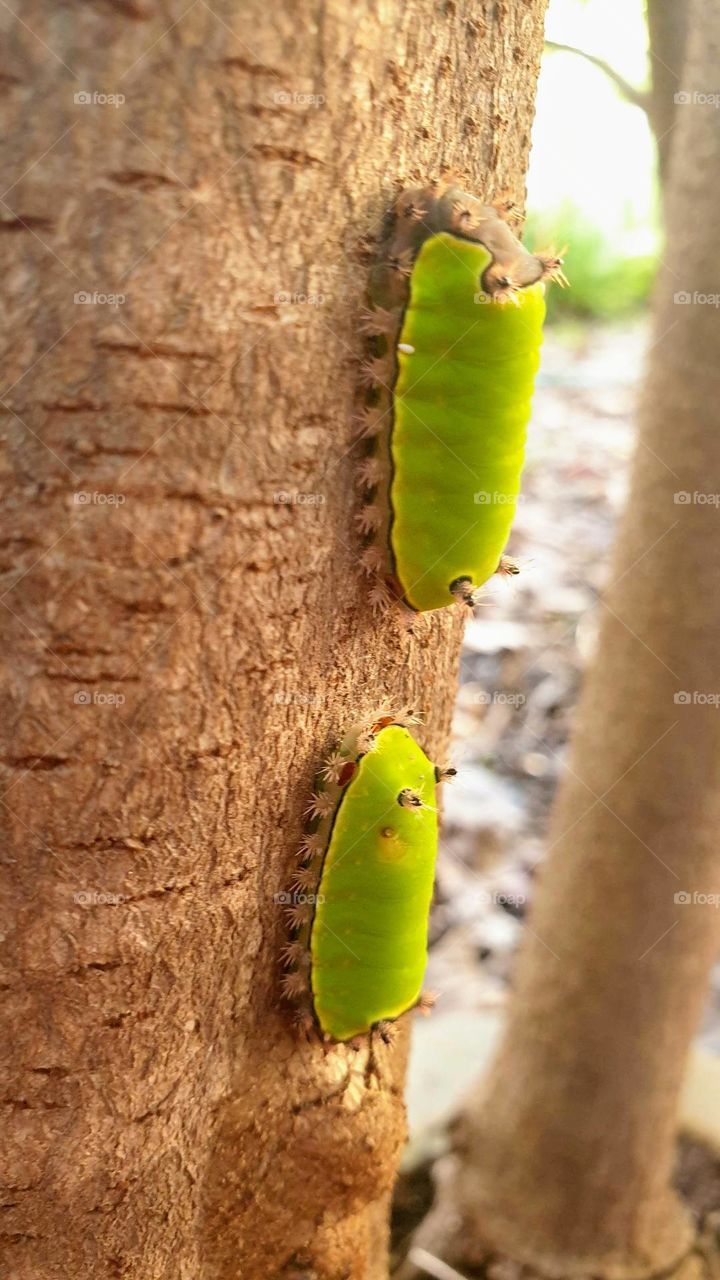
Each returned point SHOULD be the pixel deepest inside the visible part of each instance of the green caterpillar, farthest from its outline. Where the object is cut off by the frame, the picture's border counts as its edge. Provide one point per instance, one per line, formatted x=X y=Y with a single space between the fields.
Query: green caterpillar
x=456 y=331
x=362 y=896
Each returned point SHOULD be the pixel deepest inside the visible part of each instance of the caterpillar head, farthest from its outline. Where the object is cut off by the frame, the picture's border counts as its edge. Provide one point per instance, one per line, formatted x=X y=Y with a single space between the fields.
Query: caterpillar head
x=424 y=212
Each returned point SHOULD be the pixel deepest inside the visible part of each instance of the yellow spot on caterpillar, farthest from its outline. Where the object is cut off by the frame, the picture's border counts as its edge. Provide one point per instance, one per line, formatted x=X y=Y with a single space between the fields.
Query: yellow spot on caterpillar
x=390 y=846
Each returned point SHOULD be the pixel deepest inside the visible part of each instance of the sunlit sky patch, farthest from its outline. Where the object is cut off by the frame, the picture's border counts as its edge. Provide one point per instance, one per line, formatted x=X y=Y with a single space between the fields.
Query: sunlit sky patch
x=591 y=148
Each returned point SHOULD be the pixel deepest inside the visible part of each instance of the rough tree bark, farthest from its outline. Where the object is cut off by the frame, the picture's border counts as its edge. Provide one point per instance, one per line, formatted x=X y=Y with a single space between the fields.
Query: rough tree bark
x=565 y=1162
x=185 y=643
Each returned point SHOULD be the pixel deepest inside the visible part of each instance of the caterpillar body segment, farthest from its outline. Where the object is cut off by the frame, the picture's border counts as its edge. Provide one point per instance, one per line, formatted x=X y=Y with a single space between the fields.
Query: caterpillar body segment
x=455 y=348
x=361 y=899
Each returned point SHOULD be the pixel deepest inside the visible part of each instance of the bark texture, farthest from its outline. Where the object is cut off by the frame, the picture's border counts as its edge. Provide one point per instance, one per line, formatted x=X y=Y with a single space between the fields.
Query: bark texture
x=668 y=29
x=186 y=628
x=565 y=1163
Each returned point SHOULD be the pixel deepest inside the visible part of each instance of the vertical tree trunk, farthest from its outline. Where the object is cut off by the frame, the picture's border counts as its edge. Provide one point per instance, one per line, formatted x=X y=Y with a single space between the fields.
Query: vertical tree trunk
x=566 y=1163
x=182 y=609
x=668 y=31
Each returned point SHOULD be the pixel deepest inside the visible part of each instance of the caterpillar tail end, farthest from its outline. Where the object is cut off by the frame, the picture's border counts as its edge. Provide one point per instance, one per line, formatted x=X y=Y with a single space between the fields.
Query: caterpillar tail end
x=386 y=1030
x=464 y=592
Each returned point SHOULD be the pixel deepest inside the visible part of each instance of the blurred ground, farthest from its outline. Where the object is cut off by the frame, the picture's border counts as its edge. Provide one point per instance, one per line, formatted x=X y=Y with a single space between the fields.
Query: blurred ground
x=521 y=671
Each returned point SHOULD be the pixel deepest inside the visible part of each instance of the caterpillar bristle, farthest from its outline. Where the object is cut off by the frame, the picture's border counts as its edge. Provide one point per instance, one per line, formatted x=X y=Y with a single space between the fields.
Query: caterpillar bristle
x=426 y=1002
x=409 y=799
x=507 y=291
x=444 y=775
x=372 y=421
x=380 y=598
x=366 y=248
x=460 y=215
x=445 y=181
x=304 y=1025
x=294 y=953
x=380 y=716
x=311 y=846
x=299 y=915
x=369 y=472
x=407 y=716
x=402 y=263
x=413 y=212
x=372 y=560
x=330 y=771
x=376 y=372
x=369 y=518
x=366 y=732
x=304 y=880
x=293 y=985
x=365 y=741
x=552 y=263
x=507 y=207
x=387 y=1030
x=376 y=322
x=508 y=567
x=320 y=806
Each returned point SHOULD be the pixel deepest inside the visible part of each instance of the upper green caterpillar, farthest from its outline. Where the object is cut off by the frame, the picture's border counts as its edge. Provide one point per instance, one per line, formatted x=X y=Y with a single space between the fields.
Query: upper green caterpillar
x=457 y=328
x=362 y=897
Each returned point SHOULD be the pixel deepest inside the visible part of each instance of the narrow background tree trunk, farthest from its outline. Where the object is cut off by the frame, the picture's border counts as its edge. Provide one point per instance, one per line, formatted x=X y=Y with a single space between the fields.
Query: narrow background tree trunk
x=565 y=1165
x=668 y=22
x=187 y=628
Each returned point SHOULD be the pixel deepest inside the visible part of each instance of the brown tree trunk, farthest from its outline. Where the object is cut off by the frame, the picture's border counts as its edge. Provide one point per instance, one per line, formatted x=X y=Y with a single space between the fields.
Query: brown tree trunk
x=668 y=31
x=565 y=1164
x=187 y=628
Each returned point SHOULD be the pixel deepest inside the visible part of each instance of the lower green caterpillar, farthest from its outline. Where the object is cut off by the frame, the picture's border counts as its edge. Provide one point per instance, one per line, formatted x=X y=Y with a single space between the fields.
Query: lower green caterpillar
x=456 y=332
x=362 y=896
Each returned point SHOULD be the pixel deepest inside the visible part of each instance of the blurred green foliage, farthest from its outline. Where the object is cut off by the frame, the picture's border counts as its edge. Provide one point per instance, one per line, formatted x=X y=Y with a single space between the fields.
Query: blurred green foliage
x=605 y=283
